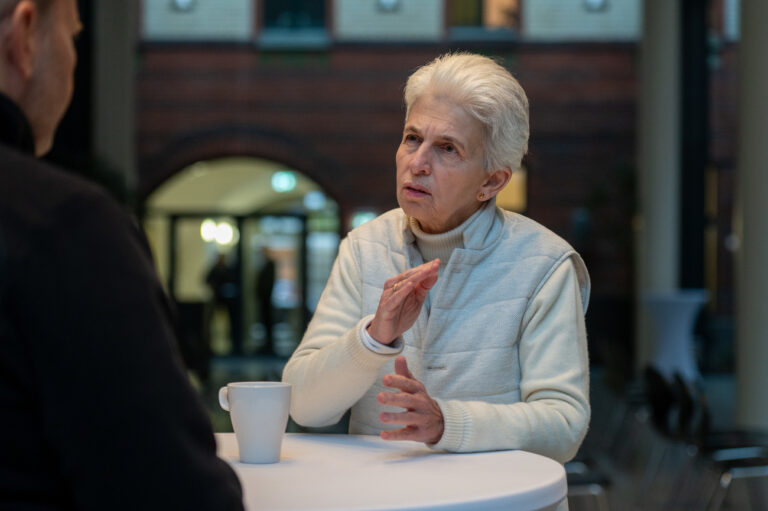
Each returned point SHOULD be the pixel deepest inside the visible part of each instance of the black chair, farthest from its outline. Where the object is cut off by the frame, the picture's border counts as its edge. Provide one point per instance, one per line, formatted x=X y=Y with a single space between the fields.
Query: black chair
x=712 y=460
x=730 y=455
x=587 y=486
x=664 y=403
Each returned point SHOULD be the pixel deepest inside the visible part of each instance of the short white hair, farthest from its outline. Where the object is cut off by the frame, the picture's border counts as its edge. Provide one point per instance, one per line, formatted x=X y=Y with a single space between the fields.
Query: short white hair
x=488 y=92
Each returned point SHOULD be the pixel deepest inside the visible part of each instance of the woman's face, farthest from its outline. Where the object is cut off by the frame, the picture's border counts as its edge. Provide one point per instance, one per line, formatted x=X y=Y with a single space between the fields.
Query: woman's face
x=440 y=164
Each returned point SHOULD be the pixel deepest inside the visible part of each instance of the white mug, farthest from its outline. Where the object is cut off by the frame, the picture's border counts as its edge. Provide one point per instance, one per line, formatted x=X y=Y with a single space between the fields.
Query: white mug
x=259 y=414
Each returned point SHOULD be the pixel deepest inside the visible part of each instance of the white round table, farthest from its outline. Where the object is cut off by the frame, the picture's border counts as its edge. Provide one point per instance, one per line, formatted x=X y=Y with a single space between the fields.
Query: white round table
x=353 y=472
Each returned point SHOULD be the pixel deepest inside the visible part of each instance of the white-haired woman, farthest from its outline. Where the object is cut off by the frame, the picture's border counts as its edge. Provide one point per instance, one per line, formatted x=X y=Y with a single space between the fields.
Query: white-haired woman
x=482 y=346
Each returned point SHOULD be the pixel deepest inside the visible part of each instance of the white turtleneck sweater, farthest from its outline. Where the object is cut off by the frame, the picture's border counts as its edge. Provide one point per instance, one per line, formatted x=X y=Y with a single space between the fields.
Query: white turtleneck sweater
x=434 y=246
x=500 y=342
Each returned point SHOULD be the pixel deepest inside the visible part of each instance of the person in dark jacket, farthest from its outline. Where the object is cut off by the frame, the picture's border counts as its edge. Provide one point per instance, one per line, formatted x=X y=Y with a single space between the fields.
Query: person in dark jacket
x=224 y=282
x=96 y=411
x=265 y=284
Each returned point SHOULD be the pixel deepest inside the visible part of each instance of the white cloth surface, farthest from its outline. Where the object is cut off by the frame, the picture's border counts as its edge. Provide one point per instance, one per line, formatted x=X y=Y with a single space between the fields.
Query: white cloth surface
x=350 y=472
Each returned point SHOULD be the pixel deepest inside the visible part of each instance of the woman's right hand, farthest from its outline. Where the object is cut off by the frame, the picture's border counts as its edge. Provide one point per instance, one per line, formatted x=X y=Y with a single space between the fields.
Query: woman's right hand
x=401 y=301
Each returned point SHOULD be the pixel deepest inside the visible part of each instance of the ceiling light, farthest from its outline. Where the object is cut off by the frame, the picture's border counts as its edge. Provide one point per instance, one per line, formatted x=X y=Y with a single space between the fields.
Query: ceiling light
x=208 y=230
x=388 y=5
x=283 y=181
x=314 y=200
x=595 y=5
x=183 y=5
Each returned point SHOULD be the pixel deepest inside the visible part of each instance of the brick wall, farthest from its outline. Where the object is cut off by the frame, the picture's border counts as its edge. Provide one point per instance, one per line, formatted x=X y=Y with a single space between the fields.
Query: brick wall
x=337 y=117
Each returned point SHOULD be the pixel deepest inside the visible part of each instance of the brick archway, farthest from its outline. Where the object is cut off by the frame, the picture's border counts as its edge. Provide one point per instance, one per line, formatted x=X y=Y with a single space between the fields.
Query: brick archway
x=253 y=141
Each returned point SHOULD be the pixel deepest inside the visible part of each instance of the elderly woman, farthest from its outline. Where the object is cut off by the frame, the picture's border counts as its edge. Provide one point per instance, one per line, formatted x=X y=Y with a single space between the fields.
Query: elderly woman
x=482 y=346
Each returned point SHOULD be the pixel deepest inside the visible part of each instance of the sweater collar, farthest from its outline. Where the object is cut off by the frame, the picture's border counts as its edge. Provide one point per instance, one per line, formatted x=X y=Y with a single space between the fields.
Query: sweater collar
x=15 y=131
x=477 y=232
x=440 y=245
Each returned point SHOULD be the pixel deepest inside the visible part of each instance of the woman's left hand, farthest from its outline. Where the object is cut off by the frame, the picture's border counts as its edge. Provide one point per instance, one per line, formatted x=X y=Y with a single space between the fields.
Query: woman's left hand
x=422 y=419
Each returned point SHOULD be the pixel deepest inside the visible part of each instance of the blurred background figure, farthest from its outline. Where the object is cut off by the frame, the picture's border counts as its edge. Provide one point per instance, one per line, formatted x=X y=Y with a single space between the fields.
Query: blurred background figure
x=265 y=283
x=224 y=283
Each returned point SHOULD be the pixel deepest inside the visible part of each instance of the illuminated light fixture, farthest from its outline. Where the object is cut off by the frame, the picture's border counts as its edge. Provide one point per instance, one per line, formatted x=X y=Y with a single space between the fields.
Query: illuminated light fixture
x=361 y=217
x=183 y=5
x=595 y=5
x=314 y=200
x=283 y=181
x=208 y=230
x=388 y=5
x=222 y=233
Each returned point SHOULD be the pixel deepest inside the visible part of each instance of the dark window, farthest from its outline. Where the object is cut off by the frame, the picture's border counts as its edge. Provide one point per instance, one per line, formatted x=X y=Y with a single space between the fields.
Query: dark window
x=467 y=13
x=294 y=14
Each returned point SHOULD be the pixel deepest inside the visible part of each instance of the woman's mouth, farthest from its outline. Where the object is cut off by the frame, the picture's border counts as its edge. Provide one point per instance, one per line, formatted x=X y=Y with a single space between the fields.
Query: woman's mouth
x=415 y=191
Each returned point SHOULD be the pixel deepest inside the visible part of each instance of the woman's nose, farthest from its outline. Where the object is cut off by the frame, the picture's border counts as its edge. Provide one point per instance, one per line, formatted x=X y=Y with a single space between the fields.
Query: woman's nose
x=421 y=162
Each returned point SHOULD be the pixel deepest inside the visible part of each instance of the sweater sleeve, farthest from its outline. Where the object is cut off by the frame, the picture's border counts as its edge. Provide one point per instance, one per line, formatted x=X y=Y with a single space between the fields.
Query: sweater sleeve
x=553 y=414
x=332 y=368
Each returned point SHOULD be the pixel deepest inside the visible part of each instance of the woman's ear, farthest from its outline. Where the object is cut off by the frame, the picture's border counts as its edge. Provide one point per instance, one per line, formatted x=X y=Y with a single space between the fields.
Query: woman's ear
x=494 y=183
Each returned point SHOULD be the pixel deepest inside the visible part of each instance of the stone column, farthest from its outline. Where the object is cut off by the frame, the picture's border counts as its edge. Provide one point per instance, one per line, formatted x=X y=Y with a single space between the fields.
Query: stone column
x=114 y=79
x=752 y=219
x=657 y=226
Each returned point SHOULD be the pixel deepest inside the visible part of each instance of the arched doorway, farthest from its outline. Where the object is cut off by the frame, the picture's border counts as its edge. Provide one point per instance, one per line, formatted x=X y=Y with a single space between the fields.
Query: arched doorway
x=215 y=228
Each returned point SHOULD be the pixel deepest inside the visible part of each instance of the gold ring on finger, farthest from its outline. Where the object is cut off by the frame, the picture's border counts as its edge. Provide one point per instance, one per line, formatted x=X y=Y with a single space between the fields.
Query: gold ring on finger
x=394 y=288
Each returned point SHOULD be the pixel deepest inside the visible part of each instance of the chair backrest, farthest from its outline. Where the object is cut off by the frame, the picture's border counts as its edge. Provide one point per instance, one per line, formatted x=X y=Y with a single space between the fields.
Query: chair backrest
x=694 y=418
x=661 y=399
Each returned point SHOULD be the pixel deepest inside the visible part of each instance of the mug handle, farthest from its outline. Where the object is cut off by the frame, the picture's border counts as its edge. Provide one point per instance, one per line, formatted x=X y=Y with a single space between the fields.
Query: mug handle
x=224 y=398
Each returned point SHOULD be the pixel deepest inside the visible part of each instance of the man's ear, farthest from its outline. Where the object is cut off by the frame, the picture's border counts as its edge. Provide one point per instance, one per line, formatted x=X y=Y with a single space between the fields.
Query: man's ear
x=20 y=43
x=495 y=182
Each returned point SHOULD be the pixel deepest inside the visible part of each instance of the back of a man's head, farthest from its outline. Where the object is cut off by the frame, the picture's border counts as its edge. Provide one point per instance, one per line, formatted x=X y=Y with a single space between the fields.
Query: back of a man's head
x=37 y=61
